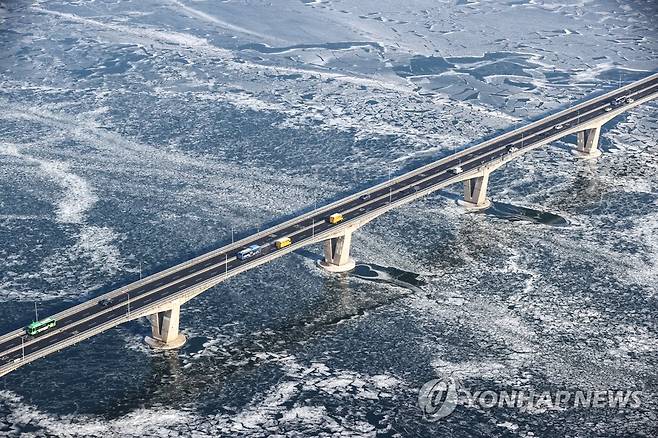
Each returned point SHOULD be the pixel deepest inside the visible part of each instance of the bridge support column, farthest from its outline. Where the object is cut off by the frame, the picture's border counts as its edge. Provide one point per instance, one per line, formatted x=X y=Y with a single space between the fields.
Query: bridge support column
x=337 y=254
x=475 y=192
x=588 y=143
x=164 y=329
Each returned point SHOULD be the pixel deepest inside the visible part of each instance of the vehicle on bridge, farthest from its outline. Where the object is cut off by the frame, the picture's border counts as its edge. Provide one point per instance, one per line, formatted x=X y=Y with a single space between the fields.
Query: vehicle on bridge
x=336 y=218
x=511 y=148
x=249 y=252
x=622 y=100
x=282 y=242
x=105 y=302
x=40 y=326
x=456 y=170
x=559 y=126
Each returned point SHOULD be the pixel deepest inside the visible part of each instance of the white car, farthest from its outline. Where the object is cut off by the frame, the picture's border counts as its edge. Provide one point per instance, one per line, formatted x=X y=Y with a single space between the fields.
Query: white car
x=608 y=108
x=630 y=100
x=455 y=170
x=559 y=126
x=511 y=149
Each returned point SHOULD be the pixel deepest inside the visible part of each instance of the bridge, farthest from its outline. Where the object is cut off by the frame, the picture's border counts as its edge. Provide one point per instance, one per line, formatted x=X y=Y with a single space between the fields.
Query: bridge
x=160 y=296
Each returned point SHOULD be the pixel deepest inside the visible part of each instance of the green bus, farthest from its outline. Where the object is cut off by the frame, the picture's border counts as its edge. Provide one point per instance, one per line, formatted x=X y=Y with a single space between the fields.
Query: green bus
x=40 y=326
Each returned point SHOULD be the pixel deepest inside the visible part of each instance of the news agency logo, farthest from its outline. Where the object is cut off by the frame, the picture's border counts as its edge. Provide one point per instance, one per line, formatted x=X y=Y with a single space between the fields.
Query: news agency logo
x=439 y=398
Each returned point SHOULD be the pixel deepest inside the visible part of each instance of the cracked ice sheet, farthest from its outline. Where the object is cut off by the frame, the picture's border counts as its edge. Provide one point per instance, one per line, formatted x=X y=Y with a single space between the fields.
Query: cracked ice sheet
x=444 y=32
x=431 y=122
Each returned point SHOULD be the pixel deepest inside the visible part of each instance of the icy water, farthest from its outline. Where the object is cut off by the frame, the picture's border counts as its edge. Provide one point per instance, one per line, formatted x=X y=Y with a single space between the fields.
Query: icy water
x=143 y=132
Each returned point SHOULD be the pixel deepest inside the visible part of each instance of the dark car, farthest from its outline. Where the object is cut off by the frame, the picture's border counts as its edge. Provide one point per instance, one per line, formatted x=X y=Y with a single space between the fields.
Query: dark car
x=105 y=302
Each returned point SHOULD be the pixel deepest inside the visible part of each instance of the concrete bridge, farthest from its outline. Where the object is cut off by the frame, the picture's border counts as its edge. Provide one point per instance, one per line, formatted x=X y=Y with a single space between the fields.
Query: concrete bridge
x=160 y=296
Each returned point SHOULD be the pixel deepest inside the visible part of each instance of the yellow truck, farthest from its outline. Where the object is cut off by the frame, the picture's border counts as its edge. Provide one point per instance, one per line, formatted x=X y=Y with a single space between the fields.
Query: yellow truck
x=282 y=242
x=336 y=218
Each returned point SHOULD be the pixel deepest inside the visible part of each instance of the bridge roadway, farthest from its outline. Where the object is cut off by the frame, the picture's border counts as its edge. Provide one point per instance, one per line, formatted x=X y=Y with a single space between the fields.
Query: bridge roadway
x=187 y=279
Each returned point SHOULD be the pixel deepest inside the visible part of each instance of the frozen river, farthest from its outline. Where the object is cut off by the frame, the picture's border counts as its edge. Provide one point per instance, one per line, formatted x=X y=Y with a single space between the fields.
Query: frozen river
x=137 y=134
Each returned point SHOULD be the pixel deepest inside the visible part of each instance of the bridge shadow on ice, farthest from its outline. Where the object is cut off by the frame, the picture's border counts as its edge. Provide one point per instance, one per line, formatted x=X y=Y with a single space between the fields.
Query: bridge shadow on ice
x=516 y=213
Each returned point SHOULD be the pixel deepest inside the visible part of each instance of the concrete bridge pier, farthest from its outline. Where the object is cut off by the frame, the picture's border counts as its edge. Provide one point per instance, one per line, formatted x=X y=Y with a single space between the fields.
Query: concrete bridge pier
x=164 y=329
x=337 y=254
x=475 y=192
x=588 y=143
